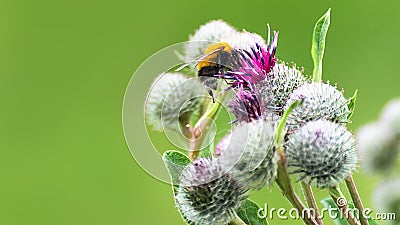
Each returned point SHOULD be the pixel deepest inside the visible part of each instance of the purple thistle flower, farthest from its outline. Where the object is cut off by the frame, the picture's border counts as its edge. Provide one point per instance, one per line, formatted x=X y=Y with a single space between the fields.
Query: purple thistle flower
x=254 y=66
x=246 y=66
x=247 y=104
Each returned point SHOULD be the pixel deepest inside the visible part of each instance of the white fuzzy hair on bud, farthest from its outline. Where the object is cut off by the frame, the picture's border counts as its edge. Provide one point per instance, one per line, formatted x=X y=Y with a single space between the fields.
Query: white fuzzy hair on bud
x=220 y=31
x=206 y=195
x=171 y=97
x=251 y=156
x=245 y=40
x=322 y=152
x=211 y=32
x=320 y=101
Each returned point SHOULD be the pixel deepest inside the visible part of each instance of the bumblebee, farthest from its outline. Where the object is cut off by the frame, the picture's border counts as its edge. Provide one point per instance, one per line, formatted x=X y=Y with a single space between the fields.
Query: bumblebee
x=217 y=59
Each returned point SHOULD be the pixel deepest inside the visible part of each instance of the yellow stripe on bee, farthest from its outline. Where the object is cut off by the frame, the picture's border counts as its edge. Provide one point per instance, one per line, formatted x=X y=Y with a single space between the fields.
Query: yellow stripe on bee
x=211 y=59
x=223 y=46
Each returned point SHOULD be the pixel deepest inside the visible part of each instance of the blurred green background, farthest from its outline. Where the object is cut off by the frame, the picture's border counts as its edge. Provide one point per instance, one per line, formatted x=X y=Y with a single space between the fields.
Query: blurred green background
x=65 y=66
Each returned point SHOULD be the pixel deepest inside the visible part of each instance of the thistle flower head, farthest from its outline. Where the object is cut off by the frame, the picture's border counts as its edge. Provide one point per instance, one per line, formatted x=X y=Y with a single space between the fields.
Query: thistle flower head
x=320 y=101
x=387 y=198
x=171 y=97
x=379 y=148
x=251 y=156
x=247 y=105
x=322 y=152
x=211 y=32
x=280 y=84
x=256 y=61
x=206 y=196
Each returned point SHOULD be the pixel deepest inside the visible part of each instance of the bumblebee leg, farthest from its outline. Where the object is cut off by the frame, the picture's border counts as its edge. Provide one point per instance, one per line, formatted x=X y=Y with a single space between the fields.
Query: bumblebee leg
x=211 y=94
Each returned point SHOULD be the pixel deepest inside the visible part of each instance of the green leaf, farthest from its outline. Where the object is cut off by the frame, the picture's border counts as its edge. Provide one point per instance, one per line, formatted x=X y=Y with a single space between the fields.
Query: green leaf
x=352 y=104
x=329 y=203
x=280 y=131
x=318 y=44
x=248 y=212
x=175 y=162
x=372 y=222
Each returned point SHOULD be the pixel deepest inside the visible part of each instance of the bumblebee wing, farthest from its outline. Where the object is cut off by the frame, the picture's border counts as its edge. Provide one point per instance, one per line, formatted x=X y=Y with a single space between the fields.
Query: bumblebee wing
x=198 y=59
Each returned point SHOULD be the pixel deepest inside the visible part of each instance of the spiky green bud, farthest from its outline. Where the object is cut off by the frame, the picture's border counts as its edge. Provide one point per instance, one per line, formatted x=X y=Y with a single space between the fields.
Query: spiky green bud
x=320 y=101
x=280 y=84
x=206 y=195
x=322 y=152
x=251 y=156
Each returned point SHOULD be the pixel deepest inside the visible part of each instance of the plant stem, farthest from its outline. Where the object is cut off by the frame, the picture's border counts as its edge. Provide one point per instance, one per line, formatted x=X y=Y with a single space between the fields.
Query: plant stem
x=185 y=127
x=351 y=186
x=342 y=204
x=309 y=196
x=202 y=126
x=284 y=183
x=282 y=178
x=237 y=221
